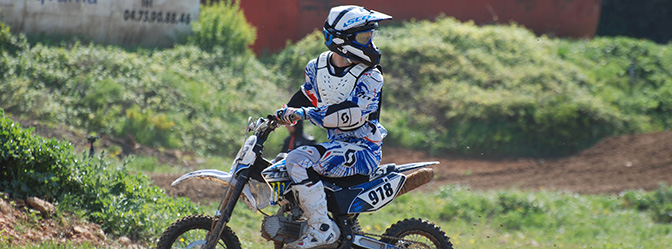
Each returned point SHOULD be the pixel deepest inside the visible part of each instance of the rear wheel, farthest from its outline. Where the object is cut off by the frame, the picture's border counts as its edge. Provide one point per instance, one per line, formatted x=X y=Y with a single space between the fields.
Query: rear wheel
x=190 y=232
x=417 y=233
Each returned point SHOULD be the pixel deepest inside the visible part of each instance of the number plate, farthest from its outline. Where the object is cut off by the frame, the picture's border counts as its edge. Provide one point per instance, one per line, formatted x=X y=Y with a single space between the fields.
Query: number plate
x=379 y=193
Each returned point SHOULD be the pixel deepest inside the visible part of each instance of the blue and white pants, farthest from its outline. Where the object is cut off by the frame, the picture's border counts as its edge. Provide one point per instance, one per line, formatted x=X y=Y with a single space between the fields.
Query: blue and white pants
x=337 y=159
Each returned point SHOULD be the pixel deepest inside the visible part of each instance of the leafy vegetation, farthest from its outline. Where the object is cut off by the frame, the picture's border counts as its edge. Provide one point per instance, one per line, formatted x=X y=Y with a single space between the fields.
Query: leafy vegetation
x=222 y=24
x=99 y=190
x=658 y=202
x=492 y=90
x=183 y=97
x=34 y=166
x=501 y=90
x=9 y=43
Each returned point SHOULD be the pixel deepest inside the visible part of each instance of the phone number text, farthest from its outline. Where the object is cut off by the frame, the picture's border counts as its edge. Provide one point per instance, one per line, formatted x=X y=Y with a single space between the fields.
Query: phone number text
x=157 y=17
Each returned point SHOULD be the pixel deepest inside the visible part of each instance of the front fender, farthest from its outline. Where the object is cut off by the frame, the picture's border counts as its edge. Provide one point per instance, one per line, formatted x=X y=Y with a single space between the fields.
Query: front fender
x=214 y=175
x=251 y=190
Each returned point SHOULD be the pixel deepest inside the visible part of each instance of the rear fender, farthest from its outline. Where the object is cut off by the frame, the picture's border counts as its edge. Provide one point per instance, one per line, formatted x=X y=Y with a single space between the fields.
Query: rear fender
x=412 y=166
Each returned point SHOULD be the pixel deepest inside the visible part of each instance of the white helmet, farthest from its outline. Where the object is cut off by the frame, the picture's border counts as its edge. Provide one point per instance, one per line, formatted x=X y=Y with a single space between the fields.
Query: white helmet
x=348 y=31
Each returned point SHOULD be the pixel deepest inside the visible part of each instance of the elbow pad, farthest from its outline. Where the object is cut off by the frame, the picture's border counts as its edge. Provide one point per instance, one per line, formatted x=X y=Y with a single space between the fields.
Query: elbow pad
x=345 y=116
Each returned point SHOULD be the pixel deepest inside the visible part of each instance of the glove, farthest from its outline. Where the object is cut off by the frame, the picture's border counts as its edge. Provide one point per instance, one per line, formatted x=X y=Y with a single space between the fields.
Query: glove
x=289 y=115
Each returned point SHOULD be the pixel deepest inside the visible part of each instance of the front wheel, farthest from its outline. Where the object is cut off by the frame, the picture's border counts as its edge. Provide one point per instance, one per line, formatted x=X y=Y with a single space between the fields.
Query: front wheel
x=191 y=231
x=417 y=233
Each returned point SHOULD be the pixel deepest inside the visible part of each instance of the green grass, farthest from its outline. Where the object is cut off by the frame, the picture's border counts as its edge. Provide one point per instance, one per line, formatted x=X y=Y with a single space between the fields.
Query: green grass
x=505 y=219
x=498 y=219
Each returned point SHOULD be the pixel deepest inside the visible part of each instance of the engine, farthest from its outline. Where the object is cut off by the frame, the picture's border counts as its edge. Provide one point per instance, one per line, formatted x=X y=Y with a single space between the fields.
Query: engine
x=280 y=228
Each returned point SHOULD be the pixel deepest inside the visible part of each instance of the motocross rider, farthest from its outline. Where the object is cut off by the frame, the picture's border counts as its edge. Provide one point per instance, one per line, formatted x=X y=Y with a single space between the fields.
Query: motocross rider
x=341 y=93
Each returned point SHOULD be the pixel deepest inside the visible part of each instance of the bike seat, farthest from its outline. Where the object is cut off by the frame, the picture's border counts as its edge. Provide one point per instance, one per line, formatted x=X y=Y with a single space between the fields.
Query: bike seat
x=348 y=181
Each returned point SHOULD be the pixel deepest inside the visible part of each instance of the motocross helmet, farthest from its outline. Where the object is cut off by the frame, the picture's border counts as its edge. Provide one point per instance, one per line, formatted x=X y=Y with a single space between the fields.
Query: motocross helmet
x=349 y=32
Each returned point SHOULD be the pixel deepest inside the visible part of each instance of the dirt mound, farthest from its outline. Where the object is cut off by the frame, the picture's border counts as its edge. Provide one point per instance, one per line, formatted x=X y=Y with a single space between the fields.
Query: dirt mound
x=22 y=225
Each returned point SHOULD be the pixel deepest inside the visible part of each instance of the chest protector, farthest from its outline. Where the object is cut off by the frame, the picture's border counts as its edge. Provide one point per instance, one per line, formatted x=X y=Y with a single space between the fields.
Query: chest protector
x=335 y=89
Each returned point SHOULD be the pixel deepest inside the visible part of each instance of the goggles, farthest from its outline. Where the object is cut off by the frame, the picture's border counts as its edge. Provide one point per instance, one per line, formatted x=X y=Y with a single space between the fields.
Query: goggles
x=364 y=38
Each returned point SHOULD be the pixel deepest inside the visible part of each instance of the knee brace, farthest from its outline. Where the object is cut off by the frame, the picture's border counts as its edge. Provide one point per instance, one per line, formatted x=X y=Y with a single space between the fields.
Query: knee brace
x=300 y=162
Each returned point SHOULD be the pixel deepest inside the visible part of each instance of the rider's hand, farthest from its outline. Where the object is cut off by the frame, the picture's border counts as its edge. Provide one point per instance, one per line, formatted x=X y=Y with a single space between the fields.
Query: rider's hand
x=289 y=115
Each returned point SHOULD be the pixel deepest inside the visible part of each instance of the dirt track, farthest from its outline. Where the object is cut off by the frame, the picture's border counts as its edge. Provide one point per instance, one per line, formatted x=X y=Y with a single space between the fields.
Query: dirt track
x=615 y=164
x=611 y=166
x=641 y=161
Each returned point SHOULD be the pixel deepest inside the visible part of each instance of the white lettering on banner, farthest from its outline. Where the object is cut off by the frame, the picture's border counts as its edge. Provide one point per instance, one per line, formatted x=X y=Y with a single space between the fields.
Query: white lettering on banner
x=124 y=22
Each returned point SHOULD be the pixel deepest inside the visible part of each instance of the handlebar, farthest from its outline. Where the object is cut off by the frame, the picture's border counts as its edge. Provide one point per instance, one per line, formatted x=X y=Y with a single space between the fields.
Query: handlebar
x=262 y=127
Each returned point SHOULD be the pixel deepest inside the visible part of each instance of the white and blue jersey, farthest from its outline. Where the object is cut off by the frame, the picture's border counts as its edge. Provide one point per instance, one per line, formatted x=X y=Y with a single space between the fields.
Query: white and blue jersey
x=346 y=104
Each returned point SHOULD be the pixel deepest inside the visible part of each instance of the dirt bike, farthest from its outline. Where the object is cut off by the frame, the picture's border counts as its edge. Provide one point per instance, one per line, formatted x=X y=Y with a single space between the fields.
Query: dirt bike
x=260 y=183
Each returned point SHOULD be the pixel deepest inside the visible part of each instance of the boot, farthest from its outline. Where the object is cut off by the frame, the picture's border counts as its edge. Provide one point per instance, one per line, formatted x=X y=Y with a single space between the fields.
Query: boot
x=322 y=231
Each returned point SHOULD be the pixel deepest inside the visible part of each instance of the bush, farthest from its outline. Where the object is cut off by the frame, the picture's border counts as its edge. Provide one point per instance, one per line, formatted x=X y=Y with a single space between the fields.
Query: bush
x=34 y=166
x=124 y=204
x=658 y=202
x=222 y=24
x=179 y=97
x=9 y=43
x=149 y=128
x=104 y=193
x=292 y=60
x=631 y=75
x=492 y=90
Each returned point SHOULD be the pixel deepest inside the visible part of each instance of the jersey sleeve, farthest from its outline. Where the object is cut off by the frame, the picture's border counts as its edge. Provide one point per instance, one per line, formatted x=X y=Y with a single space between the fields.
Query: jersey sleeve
x=368 y=91
x=309 y=87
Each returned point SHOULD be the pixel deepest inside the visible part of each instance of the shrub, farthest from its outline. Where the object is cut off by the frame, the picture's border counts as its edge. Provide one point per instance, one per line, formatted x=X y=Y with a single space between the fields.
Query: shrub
x=9 y=43
x=658 y=202
x=292 y=60
x=179 y=97
x=629 y=74
x=124 y=204
x=104 y=193
x=149 y=128
x=222 y=24
x=33 y=166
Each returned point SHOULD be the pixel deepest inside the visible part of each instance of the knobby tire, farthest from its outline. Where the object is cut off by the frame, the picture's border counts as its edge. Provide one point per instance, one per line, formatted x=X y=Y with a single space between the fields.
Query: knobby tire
x=417 y=227
x=195 y=222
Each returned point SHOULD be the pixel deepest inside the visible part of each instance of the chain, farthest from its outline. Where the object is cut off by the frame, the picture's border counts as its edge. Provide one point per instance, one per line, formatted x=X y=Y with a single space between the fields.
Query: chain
x=392 y=238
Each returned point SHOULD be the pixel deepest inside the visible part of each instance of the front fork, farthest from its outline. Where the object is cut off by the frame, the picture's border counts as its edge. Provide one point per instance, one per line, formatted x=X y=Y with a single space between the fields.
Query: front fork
x=226 y=209
x=232 y=195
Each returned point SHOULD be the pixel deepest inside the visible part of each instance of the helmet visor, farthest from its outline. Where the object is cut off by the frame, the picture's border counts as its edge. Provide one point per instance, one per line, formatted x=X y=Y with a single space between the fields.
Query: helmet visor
x=364 y=38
